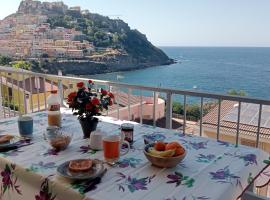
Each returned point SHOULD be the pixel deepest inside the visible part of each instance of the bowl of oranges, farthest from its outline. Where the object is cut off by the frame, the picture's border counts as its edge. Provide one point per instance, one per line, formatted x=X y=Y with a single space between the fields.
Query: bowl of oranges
x=165 y=155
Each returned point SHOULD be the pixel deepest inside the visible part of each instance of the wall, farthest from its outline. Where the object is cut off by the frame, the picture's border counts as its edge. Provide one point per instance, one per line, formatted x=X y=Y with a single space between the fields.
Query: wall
x=263 y=144
x=136 y=109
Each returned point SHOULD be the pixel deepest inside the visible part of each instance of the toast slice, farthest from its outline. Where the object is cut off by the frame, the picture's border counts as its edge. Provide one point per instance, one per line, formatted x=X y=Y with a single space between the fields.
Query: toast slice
x=5 y=138
x=80 y=165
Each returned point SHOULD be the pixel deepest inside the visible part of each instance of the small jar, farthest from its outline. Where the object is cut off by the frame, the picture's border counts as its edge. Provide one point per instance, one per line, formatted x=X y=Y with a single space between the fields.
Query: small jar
x=128 y=129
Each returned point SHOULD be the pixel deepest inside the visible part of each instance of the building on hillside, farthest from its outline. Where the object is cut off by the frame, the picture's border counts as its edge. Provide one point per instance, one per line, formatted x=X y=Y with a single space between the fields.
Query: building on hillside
x=248 y=124
x=74 y=53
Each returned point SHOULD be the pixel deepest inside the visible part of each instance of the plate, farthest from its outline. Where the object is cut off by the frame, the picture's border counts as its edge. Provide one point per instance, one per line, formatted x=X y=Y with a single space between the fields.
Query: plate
x=96 y=169
x=151 y=138
x=11 y=143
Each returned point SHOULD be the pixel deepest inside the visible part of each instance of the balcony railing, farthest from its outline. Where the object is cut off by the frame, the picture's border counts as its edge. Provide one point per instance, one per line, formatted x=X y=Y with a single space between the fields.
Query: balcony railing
x=23 y=92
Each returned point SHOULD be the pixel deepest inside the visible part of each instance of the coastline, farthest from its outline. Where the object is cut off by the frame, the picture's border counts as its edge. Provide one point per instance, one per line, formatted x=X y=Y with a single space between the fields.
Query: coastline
x=93 y=68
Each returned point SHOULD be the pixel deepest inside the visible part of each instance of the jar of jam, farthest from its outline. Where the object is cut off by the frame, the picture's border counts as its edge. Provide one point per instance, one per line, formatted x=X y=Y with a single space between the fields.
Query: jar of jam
x=128 y=129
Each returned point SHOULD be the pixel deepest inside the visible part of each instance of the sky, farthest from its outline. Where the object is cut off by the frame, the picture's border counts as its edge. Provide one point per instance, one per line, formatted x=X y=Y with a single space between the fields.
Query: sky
x=185 y=22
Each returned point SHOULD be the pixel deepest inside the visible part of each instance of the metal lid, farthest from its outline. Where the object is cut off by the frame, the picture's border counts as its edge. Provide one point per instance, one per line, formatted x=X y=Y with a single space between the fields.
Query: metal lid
x=127 y=127
x=54 y=92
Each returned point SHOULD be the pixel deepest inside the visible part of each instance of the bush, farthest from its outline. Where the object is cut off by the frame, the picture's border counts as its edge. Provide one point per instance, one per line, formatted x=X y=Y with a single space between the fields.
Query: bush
x=21 y=65
x=15 y=107
x=237 y=93
x=4 y=60
x=193 y=111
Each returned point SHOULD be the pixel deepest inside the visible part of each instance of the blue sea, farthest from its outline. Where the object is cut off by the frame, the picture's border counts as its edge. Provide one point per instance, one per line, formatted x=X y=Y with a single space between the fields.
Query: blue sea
x=210 y=69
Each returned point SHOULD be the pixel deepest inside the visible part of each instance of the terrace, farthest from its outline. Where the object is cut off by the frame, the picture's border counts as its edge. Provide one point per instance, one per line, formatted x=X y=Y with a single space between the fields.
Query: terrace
x=230 y=115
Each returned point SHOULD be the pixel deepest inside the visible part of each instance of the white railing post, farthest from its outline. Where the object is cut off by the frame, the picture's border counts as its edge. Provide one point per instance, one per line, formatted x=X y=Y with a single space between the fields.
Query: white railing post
x=154 y=109
x=219 y=117
x=1 y=98
x=60 y=88
x=129 y=101
x=169 y=111
x=141 y=108
x=259 y=126
x=238 y=123
x=185 y=114
x=201 y=116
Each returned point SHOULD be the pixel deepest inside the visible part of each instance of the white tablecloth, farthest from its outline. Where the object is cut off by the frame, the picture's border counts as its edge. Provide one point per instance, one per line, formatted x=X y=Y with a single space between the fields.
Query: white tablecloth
x=211 y=169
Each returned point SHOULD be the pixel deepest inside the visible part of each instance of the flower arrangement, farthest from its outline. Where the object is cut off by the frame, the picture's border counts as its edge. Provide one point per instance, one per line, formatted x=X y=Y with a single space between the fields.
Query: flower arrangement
x=89 y=102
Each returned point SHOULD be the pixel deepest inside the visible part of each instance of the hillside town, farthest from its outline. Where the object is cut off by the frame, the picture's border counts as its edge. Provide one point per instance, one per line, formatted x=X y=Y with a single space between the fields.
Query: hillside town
x=30 y=36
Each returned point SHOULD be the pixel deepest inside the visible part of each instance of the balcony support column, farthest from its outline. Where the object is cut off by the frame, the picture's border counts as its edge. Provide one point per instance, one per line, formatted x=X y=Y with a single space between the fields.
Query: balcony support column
x=1 y=98
x=60 y=88
x=169 y=111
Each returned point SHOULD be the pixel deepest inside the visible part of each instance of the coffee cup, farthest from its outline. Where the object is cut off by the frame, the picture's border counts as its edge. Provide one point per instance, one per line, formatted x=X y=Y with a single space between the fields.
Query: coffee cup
x=96 y=140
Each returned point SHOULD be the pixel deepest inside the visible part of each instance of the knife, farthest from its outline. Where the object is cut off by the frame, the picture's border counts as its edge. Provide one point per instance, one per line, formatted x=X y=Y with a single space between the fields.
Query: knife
x=13 y=147
x=91 y=184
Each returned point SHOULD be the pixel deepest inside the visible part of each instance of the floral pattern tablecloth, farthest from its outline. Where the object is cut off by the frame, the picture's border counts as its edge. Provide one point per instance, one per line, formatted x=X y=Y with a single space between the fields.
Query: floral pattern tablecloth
x=211 y=170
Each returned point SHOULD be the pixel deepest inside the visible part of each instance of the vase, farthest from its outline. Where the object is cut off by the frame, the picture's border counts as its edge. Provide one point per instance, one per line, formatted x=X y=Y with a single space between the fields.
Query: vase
x=88 y=125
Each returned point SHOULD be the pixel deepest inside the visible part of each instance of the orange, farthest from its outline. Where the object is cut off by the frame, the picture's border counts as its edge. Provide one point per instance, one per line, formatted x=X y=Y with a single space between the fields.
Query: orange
x=172 y=145
x=179 y=151
x=160 y=146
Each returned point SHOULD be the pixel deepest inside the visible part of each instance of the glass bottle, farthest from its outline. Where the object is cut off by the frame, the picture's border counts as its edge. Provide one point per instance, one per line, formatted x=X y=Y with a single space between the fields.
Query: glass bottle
x=54 y=113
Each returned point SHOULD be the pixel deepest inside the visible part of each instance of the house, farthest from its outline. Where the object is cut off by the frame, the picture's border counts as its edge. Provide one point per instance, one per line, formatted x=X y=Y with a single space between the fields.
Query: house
x=31 y=98
x=248 y=124
x=135 y=107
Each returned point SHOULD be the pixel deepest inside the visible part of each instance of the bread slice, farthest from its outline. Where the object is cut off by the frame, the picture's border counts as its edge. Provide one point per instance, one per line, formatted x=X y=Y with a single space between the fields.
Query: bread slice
x=80 y=165
x=5 y=138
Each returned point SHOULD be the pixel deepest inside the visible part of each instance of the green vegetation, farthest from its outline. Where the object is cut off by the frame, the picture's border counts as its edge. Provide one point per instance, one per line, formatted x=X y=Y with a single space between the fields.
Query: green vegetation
x=193 y=110
x=10 y=105
x=105 y=32
x=237 y=93
x=21 y=65
x=4 y=60
x=96 y=31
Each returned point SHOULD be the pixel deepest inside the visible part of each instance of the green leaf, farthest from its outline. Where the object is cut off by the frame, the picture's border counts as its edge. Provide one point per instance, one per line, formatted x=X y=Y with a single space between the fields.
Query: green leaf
x=267 y=162
x=179 y=174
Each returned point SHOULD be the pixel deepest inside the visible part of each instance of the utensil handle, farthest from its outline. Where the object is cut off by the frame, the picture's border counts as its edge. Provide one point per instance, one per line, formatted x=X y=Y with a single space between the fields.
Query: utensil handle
x=127 y=150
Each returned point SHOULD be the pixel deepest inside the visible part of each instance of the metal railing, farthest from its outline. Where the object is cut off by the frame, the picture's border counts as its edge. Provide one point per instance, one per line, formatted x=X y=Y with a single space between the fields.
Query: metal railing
x=9 y=76
x=10 y=80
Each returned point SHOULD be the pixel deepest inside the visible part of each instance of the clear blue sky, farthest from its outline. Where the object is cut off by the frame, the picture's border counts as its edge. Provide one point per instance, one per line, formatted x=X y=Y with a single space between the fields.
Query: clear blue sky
x=185 y=22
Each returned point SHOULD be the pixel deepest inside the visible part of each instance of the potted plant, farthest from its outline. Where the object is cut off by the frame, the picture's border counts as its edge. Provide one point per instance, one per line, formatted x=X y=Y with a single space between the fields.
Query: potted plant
x=87 y=103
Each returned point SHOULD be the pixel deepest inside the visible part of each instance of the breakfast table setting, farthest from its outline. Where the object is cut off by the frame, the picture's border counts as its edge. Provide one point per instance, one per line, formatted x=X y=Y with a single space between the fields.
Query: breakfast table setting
x=32 y=170
x=76 y=153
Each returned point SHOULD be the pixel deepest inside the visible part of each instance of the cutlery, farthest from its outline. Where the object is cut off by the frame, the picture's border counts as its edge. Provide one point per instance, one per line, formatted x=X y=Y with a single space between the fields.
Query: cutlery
x=91 y=184
x=14 y=147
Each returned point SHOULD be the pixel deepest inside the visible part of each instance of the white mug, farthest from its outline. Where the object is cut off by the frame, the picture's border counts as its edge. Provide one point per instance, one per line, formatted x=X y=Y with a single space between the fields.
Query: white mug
x=96 y=140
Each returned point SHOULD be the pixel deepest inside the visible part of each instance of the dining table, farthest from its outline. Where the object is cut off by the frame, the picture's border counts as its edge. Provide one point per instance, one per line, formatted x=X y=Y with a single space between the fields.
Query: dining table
x=214 y=170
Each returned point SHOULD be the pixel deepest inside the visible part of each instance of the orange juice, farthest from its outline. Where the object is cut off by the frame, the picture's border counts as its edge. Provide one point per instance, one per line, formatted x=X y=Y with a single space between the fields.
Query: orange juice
x=111 y=148
x=54 y=119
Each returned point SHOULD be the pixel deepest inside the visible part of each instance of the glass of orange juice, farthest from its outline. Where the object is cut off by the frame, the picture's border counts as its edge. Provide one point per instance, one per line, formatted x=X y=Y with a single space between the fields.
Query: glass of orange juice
x=111 y=147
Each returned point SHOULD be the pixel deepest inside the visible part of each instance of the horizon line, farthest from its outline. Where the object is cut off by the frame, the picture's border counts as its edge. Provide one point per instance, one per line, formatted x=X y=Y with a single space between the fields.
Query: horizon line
x=212 y=46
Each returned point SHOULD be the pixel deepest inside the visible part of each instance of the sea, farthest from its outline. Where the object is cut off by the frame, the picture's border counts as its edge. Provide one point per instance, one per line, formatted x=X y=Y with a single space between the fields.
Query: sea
x=209 y=69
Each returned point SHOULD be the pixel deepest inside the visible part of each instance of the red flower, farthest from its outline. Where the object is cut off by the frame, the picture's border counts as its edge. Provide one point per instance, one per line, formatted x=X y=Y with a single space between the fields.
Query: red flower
x=104 y=92
x=80 y=84
x=88 y=106
x=90 y=81
x=95 y=101
x=71 y=96
x=97 y=110
x=110 y=102
x=111 y=95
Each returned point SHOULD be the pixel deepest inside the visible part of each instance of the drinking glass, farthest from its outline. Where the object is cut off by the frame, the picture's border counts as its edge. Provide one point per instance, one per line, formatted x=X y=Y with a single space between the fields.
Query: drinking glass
x=112 y=148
